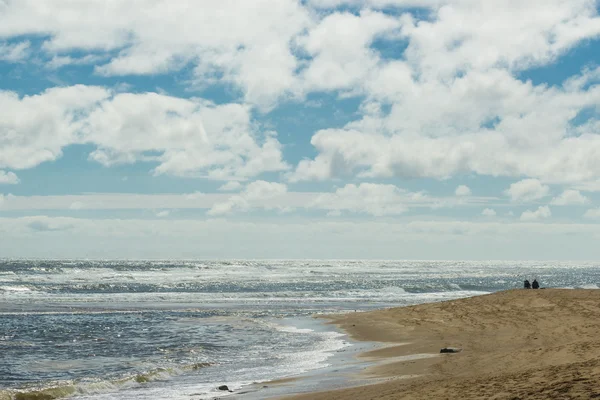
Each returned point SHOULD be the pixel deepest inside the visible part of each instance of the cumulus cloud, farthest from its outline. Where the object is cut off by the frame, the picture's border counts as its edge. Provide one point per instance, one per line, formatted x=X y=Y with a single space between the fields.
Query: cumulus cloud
x=236 y=41
x=449 y=102
x=527 y=190
x=35 y=129
x=231 y=186
x=570 y=197
x=516 y=34
x=340 y=49
x=462 y=190
x=266 y=59
x=193 y=137
x=9 y=178
x=183 y=136
x=542 y=212
x=458 y=106
x=256 y=195
x=163 y=213
x=488 y=123
x=488 y=212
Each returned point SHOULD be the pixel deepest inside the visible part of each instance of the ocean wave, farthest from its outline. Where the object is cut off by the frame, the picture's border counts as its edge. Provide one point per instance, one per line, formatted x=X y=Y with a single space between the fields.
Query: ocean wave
x=58 y=390
x=14 y=289
x=589 y=286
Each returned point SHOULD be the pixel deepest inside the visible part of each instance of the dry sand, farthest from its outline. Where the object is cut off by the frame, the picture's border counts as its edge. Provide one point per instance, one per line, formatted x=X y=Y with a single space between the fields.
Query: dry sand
x=517 y=344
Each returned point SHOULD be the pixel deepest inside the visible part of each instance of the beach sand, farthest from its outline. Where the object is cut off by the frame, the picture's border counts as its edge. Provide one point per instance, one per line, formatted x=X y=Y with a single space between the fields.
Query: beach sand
x=517 y=344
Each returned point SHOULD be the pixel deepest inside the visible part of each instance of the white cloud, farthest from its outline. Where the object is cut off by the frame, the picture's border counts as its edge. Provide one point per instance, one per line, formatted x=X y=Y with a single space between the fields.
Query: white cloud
x=265 y=57
x=368 y=198
x=462 y=190
x=340 y=47
x=192 y=137
x=231 y=186
x=61 y=61
x=163 y=213
x=375 y=199
x=542 y=212
x=34 y=129
x=570 y=197
x=488 y=212
x=14 y=52
x=527 y=190
x=76 y=205
x=515 y=34
x=112 y=201
x=238 y=41
x=592 y=213
x=48 y=224
x=256 y=195
x=377 y=3
x=452 y=104
x=488 y=123
x=260 y=190
x=9 y=178
x=457 y=105
x=196 y=195
x=184 y=136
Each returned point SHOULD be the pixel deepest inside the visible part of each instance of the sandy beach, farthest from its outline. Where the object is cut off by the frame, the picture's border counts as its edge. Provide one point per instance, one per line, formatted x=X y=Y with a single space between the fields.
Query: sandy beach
x=517 y=344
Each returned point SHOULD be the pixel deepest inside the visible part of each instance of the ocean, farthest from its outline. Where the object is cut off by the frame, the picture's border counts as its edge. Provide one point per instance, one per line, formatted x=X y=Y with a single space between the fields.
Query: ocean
x=107 y=329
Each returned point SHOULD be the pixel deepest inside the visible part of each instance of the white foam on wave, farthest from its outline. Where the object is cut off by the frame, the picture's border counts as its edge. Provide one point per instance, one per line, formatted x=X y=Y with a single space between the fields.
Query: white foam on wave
x=301 y=361
x=292 y=329
x=589 y=286
x=15 y=289
x=315 y=358
x=386 y=292
x=293 y=362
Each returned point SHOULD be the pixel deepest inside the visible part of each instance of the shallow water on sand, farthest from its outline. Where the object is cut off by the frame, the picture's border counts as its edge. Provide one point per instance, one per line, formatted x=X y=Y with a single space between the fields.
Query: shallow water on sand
x=179 y=329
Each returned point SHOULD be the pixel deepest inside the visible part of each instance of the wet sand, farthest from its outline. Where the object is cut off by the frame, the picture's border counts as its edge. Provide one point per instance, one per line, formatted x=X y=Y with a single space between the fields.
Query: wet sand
x=517 y=344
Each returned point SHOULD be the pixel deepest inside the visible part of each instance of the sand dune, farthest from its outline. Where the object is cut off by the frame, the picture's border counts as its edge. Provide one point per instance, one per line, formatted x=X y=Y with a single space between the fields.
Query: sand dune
x=518 y=344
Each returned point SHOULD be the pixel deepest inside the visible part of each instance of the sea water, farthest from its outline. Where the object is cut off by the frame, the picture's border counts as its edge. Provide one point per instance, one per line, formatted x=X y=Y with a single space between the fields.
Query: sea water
x=179 y=329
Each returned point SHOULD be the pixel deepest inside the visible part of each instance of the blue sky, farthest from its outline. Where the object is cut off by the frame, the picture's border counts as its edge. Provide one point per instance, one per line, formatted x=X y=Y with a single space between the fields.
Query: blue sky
x=438 y=129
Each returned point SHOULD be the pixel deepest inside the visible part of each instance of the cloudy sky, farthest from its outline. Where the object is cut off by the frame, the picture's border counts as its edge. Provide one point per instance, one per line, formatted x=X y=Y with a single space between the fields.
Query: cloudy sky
x=406 y=129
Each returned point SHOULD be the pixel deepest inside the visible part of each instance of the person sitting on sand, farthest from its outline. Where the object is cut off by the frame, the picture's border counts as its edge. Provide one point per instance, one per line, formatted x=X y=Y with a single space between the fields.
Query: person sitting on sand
x=535 y=284
x=527 y=285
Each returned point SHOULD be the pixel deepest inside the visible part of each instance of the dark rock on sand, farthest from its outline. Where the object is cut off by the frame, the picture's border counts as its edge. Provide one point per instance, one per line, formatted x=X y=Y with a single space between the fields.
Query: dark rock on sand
x=224 y=387
x=450 y=350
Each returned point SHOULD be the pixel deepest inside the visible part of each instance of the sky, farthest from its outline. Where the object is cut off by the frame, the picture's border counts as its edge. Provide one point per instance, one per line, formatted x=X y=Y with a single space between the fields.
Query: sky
x=376 y=129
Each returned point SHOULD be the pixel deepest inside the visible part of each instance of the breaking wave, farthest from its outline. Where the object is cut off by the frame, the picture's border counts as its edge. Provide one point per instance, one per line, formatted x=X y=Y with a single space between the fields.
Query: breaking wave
x=58 y=390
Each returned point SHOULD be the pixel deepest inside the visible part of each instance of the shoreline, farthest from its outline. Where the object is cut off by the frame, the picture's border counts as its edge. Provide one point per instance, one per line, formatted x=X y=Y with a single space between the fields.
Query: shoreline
x=343 y=370
x=534 y=344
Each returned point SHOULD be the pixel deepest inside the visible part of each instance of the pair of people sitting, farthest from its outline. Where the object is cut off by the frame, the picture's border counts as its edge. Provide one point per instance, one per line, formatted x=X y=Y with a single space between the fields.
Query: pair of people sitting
x=533 y=285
